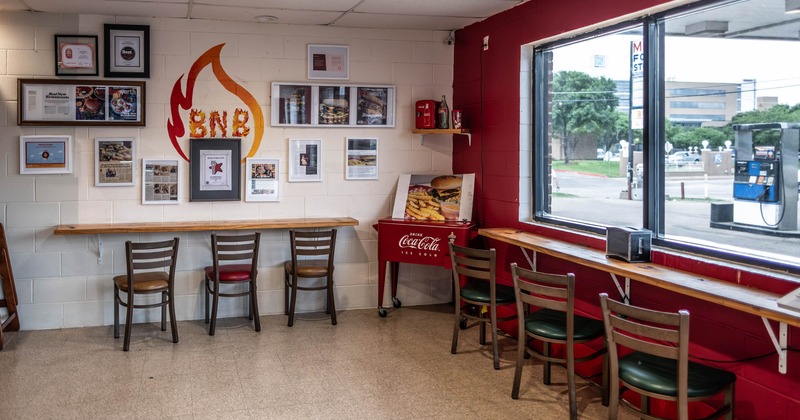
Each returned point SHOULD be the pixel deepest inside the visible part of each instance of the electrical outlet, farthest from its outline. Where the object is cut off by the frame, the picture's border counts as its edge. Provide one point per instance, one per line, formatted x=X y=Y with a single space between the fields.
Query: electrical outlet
x=486 y=43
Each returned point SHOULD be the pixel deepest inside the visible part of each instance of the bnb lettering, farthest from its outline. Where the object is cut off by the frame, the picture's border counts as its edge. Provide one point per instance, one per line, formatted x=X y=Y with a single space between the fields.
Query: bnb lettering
x=417 y=241
x=199 y=127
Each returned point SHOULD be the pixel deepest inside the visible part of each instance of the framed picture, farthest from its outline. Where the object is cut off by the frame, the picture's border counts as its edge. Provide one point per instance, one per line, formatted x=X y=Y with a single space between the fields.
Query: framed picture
x=80 y=102
x=113 y=162
x=161 y=181
x=215 y=168
x=45 y=154
x=332 y=105
x=262 y=179
x=76 y=55
x=305 y=160
x=361 y=158
x=127 y=51
x=328 y=62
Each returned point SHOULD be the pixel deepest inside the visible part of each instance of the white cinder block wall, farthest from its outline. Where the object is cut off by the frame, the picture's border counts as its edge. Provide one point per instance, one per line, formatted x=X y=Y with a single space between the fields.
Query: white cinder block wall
x=59 y=281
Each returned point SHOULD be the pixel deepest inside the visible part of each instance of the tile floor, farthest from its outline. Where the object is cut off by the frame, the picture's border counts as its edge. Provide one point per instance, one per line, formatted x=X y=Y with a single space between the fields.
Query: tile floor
x=398 y=367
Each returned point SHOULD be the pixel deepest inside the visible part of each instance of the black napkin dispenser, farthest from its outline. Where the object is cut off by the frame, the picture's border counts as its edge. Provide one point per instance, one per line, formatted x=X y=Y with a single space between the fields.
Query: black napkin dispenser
x=628 y=244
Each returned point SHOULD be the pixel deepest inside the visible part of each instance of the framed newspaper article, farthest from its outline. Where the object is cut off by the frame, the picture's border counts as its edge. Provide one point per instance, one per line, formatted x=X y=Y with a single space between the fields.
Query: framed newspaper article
x=80 y=102
x=215 y=168
x=45 y=154
x=113 y=162
x=161 y=181
x=361 y=158
x=262 y=179
x=305 y=160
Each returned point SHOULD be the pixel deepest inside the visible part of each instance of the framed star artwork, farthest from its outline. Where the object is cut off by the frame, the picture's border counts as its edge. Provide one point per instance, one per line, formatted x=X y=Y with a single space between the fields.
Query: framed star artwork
x=215 y=168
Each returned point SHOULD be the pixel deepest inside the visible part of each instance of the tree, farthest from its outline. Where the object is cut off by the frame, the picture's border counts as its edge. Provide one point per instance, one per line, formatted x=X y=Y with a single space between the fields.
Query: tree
x=694 y=137
x=582 y=105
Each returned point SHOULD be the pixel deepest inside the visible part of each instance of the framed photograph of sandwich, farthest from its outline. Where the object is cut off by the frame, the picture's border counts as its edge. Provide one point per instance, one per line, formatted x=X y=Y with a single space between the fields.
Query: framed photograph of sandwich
x=262 y=179
x=215 y=168
x=437 y=198
x=45 y=154
x=305 y=160
x=80 y=102
x=332 y=105
x=114 y=162
x=76 y=55
x=127 y=51
x=328 y=62
x=361 y=158
x=161 y=181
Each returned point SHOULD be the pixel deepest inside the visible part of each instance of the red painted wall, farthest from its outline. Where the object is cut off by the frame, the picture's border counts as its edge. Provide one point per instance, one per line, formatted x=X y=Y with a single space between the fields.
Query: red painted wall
x=486 y=85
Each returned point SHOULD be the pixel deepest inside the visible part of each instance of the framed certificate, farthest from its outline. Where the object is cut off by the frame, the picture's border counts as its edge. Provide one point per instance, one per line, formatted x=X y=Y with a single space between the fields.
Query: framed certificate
x=76 y=55
x=45 y=154
x=215 y=170
x=127 y=51
x=328 y=62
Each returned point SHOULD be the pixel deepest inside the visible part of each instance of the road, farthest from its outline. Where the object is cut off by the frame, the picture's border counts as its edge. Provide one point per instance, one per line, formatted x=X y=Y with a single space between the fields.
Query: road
x=598 y=199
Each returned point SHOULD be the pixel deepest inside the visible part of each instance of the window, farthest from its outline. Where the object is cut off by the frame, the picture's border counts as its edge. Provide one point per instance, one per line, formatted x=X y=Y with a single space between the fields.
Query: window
x=692 y=135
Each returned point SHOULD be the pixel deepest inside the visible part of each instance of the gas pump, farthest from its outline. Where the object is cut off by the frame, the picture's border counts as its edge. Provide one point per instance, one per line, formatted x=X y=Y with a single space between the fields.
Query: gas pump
x=765 y=178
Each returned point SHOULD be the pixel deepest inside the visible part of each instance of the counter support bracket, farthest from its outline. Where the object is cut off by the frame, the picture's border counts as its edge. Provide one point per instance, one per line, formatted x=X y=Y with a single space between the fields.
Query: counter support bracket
x=780 y=342
x=531 y=259
x=625 y=294
x=99 y=249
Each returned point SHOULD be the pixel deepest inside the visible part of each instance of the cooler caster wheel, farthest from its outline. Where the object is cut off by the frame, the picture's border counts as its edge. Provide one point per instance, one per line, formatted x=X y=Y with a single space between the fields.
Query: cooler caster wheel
x=396 y=302
x=382 y=312
x=462 y=324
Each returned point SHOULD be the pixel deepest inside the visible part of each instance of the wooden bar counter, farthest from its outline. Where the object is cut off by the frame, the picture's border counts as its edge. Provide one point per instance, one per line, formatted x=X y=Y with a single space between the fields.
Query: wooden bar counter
x=149 y=227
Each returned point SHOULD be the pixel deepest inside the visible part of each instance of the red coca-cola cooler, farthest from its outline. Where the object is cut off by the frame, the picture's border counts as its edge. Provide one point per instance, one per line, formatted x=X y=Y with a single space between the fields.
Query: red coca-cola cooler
x=415 y=242
x=426 y=114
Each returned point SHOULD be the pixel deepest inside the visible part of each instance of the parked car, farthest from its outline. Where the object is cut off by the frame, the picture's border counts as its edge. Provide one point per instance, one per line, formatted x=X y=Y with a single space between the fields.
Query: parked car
x=681 y=158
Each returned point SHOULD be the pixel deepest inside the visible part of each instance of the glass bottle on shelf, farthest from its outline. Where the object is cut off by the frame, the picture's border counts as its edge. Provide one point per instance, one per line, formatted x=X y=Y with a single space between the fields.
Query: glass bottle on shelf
x=443 y=115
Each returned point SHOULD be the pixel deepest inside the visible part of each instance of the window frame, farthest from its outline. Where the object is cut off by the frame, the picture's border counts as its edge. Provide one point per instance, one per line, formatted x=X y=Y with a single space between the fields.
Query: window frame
x=653 y=135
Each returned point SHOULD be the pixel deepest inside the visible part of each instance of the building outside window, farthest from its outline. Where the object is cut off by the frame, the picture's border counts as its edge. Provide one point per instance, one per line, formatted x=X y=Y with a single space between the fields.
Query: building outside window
x=707 y=88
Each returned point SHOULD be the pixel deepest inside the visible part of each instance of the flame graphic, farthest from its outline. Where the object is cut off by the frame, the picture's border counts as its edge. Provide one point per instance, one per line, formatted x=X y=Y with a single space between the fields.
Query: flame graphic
x=175 y=126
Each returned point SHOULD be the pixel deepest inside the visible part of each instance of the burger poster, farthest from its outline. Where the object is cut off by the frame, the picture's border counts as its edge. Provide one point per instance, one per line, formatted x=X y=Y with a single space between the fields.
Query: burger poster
x=436 y=198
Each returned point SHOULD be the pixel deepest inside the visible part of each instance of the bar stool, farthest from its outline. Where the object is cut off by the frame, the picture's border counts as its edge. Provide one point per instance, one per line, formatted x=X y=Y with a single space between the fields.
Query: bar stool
x=659 y=365
x=555 y=323
x=312 y=257
x=145 y=275
x=232 y=248
x=480 y=290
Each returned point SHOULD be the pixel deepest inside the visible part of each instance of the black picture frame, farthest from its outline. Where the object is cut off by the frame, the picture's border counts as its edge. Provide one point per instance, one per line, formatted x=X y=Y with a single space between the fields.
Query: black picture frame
x=127 y=51
x=76 y=55
x=208 y=159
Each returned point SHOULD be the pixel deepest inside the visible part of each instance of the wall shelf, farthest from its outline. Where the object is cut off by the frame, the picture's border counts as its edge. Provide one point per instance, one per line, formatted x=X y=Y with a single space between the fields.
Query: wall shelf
x=460 y=131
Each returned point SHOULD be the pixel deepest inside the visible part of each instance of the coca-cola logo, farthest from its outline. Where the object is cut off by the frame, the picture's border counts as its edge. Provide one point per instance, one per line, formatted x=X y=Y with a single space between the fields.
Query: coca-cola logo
x=418 y=241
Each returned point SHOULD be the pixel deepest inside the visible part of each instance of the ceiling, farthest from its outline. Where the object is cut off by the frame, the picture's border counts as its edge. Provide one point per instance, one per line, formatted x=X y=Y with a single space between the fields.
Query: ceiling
x=394 y=14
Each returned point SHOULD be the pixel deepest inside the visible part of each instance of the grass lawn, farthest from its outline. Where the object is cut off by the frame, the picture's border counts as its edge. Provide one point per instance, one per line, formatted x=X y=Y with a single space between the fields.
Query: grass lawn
x=599 y=167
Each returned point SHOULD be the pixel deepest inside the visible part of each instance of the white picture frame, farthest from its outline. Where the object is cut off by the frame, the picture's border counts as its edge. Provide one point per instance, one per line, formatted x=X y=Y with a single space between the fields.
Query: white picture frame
x=114 y=159
x=262 y=179
x=45 y=154
x=161 y=181
x=305 y=160
x=361 y=158
x=328 y=61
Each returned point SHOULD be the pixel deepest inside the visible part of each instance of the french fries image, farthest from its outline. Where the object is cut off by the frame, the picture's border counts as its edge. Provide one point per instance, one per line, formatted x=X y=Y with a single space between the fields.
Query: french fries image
x=421 y=206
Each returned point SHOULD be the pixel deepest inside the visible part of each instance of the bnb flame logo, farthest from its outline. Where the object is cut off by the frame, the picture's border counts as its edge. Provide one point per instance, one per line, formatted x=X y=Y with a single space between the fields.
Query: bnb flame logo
x=197 y=120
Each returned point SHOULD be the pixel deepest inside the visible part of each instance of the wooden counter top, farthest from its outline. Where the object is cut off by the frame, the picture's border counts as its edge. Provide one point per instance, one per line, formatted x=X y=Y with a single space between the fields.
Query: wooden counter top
x=146 y=227
x=731 y=295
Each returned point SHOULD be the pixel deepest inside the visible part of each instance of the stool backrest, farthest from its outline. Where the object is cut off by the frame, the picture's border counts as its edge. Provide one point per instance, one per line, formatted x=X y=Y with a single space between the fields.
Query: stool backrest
x=473 y=263
x=229 y=248
x=150 y=256
x=313 y=245
x=547 y=291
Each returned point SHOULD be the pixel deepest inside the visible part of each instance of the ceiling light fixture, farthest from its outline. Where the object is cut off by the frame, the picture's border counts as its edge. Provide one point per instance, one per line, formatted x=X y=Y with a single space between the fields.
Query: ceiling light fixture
x=266 y=18
x=707 y=27
x=792 y=6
